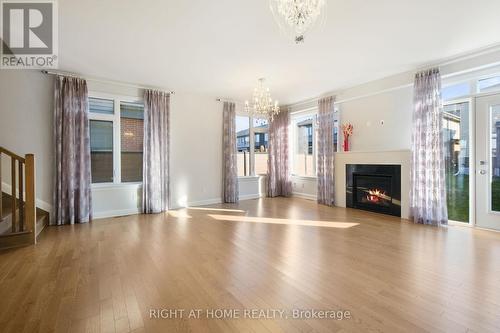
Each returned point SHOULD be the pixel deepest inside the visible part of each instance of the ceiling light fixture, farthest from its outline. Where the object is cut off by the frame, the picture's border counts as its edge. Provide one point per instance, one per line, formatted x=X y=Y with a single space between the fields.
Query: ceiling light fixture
x=262 y=103
x=296 y=17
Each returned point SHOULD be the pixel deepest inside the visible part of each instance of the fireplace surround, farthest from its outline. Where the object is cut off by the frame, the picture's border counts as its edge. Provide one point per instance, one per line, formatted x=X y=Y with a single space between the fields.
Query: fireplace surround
x=374 y=187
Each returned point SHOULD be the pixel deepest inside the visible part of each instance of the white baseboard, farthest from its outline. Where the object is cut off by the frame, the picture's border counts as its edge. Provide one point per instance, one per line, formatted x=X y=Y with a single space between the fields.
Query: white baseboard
x=215 y=201
x=205 y=202
x=250 y=197
x=305 y=196
x=39 y=203
x=116 y=213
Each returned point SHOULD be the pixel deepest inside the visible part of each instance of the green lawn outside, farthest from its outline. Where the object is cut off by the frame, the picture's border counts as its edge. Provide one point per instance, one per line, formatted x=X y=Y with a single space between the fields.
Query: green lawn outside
x=495 y=186
x=458 y=196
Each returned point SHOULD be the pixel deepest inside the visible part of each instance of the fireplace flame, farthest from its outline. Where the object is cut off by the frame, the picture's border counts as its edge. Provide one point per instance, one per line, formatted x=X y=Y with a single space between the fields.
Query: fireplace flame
x=375 y=195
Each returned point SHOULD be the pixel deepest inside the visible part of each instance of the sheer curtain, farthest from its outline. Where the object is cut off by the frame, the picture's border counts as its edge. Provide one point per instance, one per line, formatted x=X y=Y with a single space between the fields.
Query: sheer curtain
x=278 y=178
x=428 y=192
x=155 y=188
x=72 y=195
x=229 y=163
x=326 y=191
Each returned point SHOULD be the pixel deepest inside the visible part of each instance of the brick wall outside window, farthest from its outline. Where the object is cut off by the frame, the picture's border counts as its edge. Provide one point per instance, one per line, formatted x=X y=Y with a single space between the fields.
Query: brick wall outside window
x=132 y=134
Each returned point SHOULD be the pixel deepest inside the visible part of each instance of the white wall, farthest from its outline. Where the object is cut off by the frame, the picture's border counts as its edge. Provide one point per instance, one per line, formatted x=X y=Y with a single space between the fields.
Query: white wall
x=195 y=157
x=381 y=122
x=195 y=151
x=26 y=125
x=381 y=113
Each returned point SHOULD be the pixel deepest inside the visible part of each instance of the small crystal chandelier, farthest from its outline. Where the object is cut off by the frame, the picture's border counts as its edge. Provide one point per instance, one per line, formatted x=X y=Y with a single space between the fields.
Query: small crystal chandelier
x=262 y=103
x=295 y=17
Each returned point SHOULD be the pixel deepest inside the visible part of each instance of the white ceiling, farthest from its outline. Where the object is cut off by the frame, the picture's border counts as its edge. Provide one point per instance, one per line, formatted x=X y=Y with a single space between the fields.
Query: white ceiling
x=221 y=47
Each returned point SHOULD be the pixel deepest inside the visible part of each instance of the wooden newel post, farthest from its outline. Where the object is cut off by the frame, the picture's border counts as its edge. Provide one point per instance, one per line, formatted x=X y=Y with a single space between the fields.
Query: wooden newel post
x=30 y=195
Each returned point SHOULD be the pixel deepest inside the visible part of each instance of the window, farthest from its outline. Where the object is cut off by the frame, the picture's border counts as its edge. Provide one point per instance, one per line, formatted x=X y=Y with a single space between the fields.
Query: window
x=456 y=135
x=100 y=105
x=131 y=132
x=252 y=135
x=116 y=139
x=336 y=135
x=243 y=145
x=304 y=145
x=303 y=142
x=495 y=157
x=261 y=130
x=101 y=151
x=489 y=84
x=455 y=91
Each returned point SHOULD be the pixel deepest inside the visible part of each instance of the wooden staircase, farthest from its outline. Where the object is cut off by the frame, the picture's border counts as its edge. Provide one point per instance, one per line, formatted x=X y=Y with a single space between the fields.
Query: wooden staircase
x=20 y=221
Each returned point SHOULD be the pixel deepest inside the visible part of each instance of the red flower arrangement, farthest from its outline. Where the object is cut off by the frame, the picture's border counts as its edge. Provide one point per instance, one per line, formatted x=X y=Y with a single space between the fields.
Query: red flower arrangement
x=347 y=129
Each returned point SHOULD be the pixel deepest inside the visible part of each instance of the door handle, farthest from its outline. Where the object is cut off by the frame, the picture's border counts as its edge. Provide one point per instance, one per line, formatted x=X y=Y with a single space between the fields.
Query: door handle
x=482 y=172
x=482 y=162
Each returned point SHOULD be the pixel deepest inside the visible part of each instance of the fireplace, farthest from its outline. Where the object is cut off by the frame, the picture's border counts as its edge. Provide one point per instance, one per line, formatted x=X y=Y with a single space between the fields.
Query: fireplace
x=374 y=187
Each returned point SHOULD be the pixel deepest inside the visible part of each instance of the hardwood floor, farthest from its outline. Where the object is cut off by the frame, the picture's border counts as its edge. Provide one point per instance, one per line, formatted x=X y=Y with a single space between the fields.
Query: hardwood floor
x=261 y=254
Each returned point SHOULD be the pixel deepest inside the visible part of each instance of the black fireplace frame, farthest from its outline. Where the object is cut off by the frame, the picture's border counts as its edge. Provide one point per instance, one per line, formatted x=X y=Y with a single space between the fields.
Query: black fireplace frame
x=374 y=170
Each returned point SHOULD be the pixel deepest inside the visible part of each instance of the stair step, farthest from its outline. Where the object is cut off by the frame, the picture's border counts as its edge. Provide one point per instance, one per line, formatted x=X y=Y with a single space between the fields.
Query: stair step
x=42 y=217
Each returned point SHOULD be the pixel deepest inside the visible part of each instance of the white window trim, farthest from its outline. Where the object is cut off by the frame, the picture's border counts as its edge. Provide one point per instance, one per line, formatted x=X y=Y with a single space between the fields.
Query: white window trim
x=115 y=119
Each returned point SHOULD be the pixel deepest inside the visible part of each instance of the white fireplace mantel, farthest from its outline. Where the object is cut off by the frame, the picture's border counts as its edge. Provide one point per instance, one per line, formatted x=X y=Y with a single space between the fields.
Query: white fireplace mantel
x=398 y=157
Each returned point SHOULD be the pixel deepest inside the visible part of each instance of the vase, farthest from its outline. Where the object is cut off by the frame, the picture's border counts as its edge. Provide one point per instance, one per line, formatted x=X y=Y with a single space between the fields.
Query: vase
x=346 y=143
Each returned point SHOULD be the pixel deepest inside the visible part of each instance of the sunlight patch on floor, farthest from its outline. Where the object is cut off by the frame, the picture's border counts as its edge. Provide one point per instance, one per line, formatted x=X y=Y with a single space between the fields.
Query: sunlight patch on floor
x=309 y=223
x=217 y=209
x=179 y=214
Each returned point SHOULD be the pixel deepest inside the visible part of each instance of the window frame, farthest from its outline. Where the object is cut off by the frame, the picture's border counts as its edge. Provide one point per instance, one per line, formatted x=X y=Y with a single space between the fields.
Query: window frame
x=313 y=111
x=294 y=118
x=472 y=155
x=251 y=134
x=115 y=118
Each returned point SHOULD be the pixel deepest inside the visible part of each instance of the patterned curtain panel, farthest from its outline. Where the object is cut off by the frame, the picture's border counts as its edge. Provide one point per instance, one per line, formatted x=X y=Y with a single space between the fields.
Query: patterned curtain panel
x=278 y=177
x=428 y=191
x=72 y=196
x=230 y=190
x=155 y=187
x=325 y=159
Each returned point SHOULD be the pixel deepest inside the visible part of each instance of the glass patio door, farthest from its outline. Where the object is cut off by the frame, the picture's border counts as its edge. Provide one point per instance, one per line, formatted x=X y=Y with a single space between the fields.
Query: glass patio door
x=457 y=152
x=488 y=161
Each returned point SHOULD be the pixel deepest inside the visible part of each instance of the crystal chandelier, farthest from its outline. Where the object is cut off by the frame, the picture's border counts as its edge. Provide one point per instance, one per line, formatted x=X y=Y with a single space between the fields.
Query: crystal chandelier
x=295 y=17
x=262 y=103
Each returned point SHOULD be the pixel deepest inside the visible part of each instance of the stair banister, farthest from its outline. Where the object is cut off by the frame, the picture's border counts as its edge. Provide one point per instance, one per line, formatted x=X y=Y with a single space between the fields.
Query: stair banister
x=22 y=192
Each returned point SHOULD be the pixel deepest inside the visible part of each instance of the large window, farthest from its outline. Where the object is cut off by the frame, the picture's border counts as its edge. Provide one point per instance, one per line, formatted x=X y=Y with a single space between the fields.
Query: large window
x=455 y=91
x=252 y=145
x=116 y=136
x=243 y=145
x=260 y=130
x=303 y=134
x=101 y=151
x=131 y=134
x=456 y=132
x=304 y=146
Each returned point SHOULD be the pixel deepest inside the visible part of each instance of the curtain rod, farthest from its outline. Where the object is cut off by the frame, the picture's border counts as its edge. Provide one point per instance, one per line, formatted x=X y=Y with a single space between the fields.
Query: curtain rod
x=218 y=99
x=44 y=71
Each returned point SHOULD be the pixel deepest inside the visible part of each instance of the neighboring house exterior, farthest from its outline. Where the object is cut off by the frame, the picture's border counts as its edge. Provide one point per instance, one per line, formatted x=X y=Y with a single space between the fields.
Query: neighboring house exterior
x=261 y=139
x=456 y=138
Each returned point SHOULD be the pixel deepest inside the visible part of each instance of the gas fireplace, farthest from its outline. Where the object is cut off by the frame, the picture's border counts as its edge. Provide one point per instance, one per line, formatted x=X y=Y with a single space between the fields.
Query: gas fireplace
x=375 y=188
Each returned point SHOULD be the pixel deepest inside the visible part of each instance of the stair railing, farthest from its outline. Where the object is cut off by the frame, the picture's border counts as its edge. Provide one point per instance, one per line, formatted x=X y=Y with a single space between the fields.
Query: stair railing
x=22 y=184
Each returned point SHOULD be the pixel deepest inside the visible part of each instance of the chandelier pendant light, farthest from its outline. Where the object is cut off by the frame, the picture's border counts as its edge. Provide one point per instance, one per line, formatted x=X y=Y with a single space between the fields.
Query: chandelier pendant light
x=262 y=103
x=296 y=17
